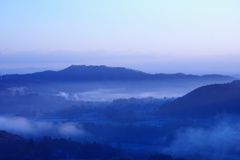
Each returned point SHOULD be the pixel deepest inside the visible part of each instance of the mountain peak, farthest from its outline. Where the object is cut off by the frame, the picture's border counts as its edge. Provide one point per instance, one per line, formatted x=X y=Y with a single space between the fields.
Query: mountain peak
x=73 y=67
x=90 y=67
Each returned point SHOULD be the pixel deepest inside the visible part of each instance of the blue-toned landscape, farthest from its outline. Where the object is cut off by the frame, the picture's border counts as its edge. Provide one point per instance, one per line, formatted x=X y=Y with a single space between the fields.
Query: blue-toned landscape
x=119 y=80
x=114 y=109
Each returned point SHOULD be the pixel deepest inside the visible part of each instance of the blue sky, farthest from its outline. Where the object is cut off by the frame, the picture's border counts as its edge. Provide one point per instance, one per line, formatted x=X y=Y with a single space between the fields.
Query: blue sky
x=200 y=36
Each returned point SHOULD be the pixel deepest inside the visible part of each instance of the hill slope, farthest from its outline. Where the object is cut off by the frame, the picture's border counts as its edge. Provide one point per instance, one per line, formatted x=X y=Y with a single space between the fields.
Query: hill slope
x=206 y=101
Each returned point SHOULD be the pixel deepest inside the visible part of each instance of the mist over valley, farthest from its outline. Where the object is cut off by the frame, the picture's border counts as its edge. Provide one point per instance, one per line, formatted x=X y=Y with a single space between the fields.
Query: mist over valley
x=166 y=114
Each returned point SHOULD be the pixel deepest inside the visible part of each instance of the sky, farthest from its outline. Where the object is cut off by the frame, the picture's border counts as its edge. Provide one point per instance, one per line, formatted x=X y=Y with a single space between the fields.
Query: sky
x=155 y=36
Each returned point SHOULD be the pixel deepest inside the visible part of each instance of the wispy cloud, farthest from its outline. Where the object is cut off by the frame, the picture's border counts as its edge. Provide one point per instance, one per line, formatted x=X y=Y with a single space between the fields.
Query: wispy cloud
x=32 y=128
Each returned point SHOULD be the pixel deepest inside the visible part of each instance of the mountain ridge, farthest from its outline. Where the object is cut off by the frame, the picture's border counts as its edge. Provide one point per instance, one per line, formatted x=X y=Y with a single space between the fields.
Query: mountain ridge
x=104 y=73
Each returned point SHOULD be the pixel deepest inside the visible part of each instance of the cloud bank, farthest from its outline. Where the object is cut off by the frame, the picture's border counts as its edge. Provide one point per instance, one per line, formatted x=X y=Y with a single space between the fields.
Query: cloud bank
x=220 y=141
x=34 y=129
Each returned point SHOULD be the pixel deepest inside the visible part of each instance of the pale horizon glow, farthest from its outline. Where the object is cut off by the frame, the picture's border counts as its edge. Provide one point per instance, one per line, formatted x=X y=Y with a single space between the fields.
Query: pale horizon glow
x=157 y=36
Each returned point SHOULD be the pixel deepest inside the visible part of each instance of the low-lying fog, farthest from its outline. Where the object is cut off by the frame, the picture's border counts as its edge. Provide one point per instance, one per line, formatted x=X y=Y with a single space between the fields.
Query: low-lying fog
x=108 y=91
x=108 y=114
x=35 y=129
x=220 y=141
x=217 y=142
x=112 y=94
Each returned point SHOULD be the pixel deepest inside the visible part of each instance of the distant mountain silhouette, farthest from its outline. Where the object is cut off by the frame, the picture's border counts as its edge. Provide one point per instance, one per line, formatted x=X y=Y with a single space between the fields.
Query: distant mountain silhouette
x=206 y=101
x=82 y=73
